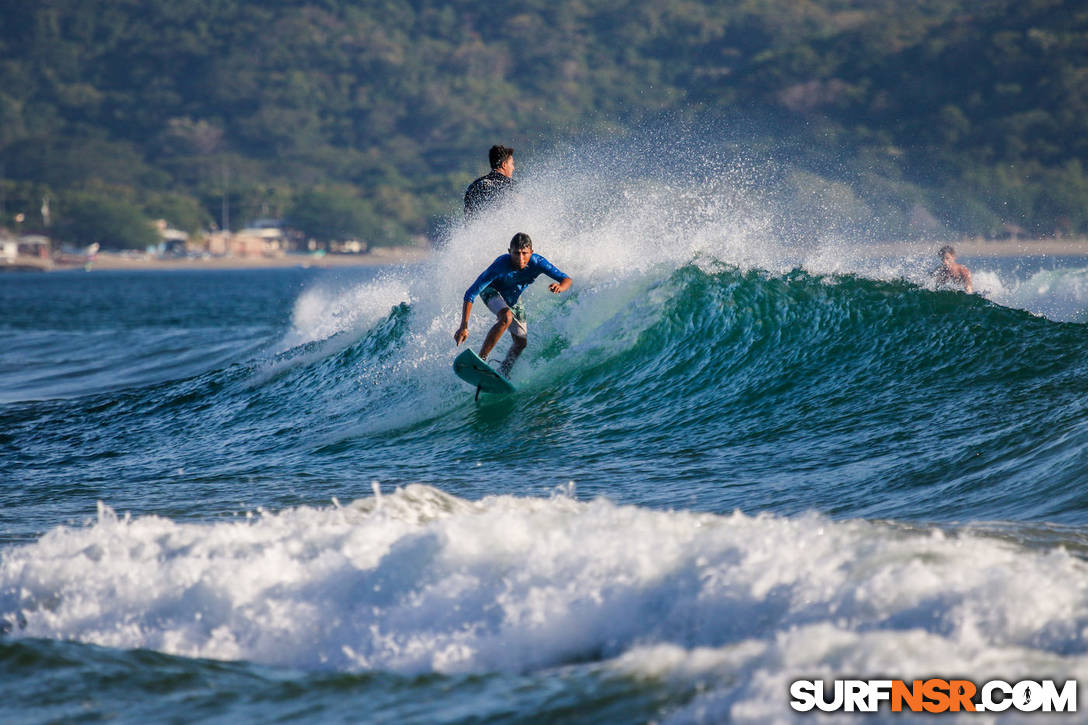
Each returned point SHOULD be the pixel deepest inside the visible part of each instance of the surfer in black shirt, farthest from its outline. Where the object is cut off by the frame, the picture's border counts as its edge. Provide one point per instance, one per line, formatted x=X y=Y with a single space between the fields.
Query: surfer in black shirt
x=486 y=190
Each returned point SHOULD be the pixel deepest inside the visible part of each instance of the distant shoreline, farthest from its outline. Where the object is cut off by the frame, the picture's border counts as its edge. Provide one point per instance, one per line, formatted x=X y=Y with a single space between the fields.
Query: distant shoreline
x=111 y=261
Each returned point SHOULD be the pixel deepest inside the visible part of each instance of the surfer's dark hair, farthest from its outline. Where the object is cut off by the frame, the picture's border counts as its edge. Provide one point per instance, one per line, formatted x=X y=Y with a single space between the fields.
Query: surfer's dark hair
x=946 y=249
x=498 y=155
x=521 y=240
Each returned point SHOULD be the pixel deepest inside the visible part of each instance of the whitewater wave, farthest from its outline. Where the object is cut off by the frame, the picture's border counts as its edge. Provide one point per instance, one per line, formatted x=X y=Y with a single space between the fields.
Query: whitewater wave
x=418 y=581
x=632 y=235
x=1059 y=294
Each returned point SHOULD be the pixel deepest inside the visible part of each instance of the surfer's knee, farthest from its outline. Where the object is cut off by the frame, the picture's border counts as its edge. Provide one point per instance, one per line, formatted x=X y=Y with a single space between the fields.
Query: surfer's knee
x=520 y=342
x=505 y=318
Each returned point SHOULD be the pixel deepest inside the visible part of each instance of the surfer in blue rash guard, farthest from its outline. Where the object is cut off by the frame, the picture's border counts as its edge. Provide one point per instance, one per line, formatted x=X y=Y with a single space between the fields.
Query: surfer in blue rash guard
x=500 y=286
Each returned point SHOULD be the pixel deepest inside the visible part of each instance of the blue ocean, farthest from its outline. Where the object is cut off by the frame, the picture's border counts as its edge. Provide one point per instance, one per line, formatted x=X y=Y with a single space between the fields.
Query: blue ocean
x=735 y=458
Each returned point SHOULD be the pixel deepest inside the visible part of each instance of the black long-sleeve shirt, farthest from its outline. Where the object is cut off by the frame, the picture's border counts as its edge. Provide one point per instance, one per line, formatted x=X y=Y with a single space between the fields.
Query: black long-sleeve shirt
x=485 y=191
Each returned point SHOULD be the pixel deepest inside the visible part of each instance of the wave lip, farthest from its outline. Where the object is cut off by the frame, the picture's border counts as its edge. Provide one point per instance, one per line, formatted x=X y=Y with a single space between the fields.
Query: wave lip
x=419 y=581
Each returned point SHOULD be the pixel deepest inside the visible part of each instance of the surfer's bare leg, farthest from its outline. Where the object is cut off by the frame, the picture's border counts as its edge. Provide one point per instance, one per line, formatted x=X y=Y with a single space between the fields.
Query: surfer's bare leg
x=493 y=335
x=512 y=355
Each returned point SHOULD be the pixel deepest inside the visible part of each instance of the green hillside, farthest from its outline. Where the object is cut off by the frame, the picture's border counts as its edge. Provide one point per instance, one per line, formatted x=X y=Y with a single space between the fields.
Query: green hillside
x=934 y=117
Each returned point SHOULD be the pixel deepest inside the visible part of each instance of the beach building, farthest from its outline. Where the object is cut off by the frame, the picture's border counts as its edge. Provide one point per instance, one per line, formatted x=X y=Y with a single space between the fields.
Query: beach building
x=217 y=244
x=348 y=246
x=249 y=242
x=260 y=242
x=175 y=242
x=27 y=252
x=35 y=245
x=9 y=249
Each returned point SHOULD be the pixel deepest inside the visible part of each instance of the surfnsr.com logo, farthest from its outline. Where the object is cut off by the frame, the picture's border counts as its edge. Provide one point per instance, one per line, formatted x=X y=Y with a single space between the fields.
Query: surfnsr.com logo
x=933 y=696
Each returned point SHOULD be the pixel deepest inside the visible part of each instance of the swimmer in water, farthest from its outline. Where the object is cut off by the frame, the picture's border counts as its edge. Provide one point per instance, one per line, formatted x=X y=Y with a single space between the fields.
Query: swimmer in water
x=950 y=273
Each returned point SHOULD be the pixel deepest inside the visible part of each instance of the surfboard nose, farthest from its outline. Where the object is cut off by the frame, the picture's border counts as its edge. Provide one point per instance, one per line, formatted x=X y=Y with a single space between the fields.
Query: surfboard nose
x=473 y=370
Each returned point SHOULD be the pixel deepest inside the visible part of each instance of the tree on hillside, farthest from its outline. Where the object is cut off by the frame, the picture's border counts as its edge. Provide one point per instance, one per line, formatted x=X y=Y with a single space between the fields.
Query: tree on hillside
x=89 y=217
x=391 y=103
x=330 y=215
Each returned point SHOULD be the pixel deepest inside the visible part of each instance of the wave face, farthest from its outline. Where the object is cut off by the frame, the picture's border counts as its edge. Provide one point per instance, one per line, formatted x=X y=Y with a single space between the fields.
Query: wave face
x=735 y=457
x=707 y=386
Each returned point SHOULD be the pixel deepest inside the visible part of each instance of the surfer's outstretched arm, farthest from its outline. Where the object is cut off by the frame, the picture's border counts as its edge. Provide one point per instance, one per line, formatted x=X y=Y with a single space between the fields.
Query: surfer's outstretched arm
x=462 y=332
x=557 y=287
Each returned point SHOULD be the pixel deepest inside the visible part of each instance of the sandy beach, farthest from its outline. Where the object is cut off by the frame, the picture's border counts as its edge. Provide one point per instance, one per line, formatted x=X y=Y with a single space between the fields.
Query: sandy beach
x=965 y=249
x=381 y=255
x=116 y=261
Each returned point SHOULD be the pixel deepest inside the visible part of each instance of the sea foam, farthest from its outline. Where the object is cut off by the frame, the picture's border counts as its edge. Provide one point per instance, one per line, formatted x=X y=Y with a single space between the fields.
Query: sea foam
x=418 y=581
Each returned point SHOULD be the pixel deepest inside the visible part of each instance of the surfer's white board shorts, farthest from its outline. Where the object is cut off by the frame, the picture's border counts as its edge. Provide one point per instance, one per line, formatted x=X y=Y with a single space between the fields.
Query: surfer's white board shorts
x=517 y=328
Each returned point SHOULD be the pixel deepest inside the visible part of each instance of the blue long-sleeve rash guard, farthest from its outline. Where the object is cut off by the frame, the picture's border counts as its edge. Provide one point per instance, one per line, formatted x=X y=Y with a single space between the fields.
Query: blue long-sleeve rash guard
x=510 y=282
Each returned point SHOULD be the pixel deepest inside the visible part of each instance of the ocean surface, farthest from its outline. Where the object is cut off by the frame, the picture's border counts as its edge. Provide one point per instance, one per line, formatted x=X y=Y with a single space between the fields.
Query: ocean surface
x=732 y=462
